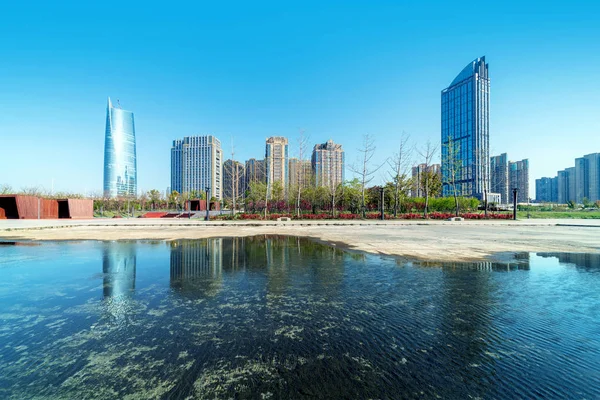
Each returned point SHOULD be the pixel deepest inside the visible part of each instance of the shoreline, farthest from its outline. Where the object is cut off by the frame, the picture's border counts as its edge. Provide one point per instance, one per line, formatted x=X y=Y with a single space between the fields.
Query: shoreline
x=416 y=240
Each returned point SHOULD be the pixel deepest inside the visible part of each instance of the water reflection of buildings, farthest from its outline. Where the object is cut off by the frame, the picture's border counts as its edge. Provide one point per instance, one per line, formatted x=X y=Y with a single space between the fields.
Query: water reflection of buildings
x=581 y=260
x=518 y=261
x=118 y=266
x=197 y=265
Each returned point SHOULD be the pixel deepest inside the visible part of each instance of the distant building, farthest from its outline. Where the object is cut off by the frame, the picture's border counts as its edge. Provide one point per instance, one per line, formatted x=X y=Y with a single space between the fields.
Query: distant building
x=581 y=181
x=465 y=123
x=234 y=181
x=120 y=163
x=519 y=179
x=197 y=164
x=499 y=177
x=255 y=172
x=300 y=173
x=276 y=161
x=593 y=180
x=417 y=189
x=546 y=190
x=328 y=164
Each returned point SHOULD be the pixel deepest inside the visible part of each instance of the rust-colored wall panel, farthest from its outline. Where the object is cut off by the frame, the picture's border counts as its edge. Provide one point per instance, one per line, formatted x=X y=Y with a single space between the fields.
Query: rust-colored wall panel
x=2 y=213
x=49 y=209
x=27 y=207
x=81 y=208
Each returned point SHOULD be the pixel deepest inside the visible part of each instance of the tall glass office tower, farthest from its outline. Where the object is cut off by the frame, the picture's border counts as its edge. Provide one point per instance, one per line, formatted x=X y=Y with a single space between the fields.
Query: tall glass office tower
x=465 y=131
x=120 y=165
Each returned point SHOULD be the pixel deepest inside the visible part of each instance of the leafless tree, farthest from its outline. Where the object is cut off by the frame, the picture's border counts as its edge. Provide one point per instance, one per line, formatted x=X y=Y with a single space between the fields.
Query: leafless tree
x=453 y=162
x=427 y=154
x=301 y=173
x=364 y=168
x=399 y=165
x=233 y=172
x=32 y=191
x=6 y=189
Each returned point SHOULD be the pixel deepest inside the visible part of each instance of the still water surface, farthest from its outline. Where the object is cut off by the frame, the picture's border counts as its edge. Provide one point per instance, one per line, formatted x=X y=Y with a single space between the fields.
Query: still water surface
x=275 y=317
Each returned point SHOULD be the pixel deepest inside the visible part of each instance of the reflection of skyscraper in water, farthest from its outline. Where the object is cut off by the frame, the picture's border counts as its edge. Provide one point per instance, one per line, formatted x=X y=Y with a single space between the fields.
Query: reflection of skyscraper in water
x=118 y=266
x=517 y=261
x=196 y=265
x=580 y=260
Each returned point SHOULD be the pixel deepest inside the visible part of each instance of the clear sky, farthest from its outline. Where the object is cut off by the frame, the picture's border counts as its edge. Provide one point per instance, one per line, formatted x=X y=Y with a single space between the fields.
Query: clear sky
x=249 y=70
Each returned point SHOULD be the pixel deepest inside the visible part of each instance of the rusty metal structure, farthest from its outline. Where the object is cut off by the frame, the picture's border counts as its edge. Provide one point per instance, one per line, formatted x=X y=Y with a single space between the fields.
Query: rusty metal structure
x=17 y=206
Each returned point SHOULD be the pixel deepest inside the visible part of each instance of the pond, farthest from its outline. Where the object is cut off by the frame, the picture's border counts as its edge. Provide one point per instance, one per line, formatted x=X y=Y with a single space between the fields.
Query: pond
x=286 y=317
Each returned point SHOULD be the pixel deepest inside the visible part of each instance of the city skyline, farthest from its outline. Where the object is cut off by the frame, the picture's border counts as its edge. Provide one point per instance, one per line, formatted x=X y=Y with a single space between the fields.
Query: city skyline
x=333 y=81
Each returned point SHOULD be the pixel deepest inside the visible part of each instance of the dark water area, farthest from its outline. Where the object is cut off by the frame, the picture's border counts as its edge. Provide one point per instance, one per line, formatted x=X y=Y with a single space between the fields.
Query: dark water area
x=285 y=317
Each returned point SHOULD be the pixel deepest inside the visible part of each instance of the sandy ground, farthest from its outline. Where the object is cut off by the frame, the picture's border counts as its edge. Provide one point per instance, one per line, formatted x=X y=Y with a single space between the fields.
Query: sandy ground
x=426 y=240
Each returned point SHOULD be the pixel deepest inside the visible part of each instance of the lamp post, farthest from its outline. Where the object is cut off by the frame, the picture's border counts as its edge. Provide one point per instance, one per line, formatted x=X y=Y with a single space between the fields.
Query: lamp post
x=207 y=203
x=515 y=190
x=381 y=194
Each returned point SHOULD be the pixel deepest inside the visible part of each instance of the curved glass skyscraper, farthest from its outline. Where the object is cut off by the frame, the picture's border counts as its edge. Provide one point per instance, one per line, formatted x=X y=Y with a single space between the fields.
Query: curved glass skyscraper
x=466 y=127
x=120 y=165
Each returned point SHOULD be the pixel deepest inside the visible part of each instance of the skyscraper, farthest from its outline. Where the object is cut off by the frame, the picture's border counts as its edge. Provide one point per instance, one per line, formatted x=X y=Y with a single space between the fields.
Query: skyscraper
x=418 y=177
x=546 y=190
x=300 y=173
x=197 y=163
x=465 y=125
x=581 y=180
x=234 y=182
x=499 y=177
x=328 y=164
x=593 y=171
x=276 y=161
x=120 y=165
x=519 y=179
x=255 y=172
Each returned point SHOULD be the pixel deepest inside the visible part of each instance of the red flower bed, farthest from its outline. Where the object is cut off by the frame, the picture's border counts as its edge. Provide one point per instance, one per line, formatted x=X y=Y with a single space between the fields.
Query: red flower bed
x=250 y=216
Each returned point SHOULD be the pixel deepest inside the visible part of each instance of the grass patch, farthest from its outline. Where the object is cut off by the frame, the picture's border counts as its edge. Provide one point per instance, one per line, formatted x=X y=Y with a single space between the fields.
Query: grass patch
x=578 y=214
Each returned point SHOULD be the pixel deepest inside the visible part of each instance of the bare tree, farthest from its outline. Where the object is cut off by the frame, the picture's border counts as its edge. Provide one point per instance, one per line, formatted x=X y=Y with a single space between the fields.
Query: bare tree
x=453 y=162
x=364 y=169
x=233 y=172
x=32 y=191
x=301 y=173
x=427 y=153
x=6 y=189
x=399 y=164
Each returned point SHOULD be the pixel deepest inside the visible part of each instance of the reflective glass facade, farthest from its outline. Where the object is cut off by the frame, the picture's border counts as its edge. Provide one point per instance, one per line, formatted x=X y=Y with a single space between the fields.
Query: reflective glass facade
x=465 y=124
x=120 y=165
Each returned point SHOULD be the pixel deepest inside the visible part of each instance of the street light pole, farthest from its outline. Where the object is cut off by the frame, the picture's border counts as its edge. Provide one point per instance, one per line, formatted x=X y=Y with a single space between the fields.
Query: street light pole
x=515 y=190
x=381 y=192
x=207 y=203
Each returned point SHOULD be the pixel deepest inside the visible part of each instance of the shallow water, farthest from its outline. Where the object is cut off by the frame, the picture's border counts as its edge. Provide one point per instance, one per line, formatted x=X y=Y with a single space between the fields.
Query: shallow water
x=274 y=317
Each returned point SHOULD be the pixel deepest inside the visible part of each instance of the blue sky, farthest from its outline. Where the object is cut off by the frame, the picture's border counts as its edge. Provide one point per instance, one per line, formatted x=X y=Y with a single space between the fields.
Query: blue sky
x=245 y=71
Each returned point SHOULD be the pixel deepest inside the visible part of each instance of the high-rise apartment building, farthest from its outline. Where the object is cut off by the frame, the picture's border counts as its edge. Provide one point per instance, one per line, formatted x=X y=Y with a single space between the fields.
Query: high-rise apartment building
x=255 y=172
x=593 y=180
x=417 y=189
x=197 y=164
x=120 y=164
x=519 y=179
x=300 y=173
x=499 y=177
x=581 y=181
x=328 y=164
x=276 y=161
x=234 y=181
x=465 y=131
x=546 y=190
